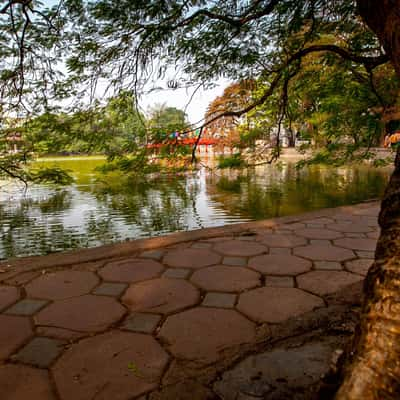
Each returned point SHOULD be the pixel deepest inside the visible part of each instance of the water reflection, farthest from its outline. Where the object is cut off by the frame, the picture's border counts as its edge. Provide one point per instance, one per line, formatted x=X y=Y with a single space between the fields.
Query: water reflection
x=155 y=205
x=272 y=192
x=90 y=213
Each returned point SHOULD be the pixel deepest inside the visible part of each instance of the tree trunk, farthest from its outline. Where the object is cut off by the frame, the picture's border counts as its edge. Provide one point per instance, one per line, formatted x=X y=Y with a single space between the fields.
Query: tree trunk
x=373 y=369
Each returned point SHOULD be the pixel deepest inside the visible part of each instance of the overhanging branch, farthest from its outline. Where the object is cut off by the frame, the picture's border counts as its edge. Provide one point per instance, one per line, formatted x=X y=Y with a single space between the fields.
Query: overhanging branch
x=369 y=62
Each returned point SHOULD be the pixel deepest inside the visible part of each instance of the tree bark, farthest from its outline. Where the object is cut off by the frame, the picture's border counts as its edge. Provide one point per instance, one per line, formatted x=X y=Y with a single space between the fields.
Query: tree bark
x=373 y=368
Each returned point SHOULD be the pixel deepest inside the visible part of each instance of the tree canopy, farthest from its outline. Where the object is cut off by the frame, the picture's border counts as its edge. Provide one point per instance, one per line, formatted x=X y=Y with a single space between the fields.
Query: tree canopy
x=132 y=43
x=70 y=49
x=164 y=121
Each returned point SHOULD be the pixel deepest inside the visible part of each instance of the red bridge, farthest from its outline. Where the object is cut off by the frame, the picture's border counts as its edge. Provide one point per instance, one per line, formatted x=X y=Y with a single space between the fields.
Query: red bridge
x=184 y=142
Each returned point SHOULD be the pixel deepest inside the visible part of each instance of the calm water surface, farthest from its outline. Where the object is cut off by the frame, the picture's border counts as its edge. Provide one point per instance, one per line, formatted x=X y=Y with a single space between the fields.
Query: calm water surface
x=97 y=210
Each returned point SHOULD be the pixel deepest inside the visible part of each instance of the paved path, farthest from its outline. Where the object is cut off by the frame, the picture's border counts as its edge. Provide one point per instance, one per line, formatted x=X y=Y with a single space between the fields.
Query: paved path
x=135 y=318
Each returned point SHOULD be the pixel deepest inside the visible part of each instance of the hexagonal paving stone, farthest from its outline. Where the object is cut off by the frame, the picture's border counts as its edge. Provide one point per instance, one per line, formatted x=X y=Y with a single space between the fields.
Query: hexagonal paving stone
x=85 y=314
x=365 y=254
x=115 y=365
x=203 y=334
x=160 y=296
x=225 y=279
x=8 y=296
x=280 y=231
x=179 y=246
x=22 y=278
x=349 y=227
x=131 y=270
x=278 y=240
x=218 y=239
x=62 y=285
x=348 y=217
x=319 y=221
x=326 y=282
x=13 y=332
x=201 y=245
x=247 y=238
x=360 y=266
x=280 y=264
x=356 y=244
x=371 y=221
x=356 y=235
x=292 y=226
x=191 y=258
x=18 y=382
x=324 y=253
x=271 y=304
x=314 y=233
x=371 y=211
x=241 y=249
x=315 y=226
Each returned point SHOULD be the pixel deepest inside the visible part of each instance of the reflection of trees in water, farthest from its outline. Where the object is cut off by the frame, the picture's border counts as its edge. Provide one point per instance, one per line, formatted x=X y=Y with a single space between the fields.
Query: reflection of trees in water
x=274 y=191
x=124 y=207
x=35 y=226
x=59 y=201
x=153 y=205
x=20 y=232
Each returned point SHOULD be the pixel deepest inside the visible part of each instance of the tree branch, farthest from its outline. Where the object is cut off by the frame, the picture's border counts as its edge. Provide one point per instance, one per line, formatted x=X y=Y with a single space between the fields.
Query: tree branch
x=368 y=62
x=236 y=22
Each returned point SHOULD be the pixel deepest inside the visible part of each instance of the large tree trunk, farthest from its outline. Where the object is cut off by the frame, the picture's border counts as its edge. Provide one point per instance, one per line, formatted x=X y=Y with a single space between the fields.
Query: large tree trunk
x=373 y=371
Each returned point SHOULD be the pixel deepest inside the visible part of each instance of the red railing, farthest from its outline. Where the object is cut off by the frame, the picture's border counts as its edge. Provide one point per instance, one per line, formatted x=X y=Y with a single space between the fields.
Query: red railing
x=183 y=142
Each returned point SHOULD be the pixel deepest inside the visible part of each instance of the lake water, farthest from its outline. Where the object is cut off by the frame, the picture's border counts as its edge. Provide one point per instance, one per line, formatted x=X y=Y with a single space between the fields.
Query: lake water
x=97 y=210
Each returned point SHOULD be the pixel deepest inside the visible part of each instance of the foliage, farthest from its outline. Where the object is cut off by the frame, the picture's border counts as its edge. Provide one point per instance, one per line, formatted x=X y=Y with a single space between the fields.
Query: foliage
x=12 y=165
x=234 y=161
x=198 y=41
x=286 y=46
x=112 y=129
x=234 y=97
x=169 y=119
x=165 y=124
x=333 y=102
x=382 y=162
x=329 y=102
x=136 y=164
x=54 y=175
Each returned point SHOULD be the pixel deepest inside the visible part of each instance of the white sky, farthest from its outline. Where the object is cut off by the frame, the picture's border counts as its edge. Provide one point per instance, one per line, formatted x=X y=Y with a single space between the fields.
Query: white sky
x=195 y=109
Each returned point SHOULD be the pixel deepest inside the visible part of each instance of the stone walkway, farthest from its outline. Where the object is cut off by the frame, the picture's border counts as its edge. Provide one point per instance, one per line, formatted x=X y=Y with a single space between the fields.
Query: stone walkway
x=152 y=318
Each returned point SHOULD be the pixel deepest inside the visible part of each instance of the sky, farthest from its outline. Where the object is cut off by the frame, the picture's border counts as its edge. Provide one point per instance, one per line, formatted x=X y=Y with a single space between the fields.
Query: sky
x=181 y=99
